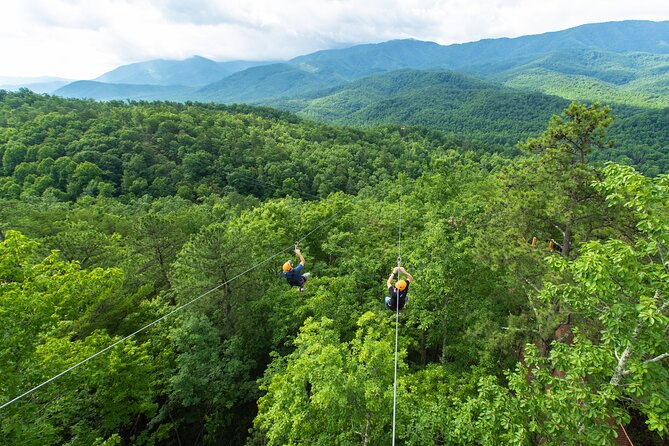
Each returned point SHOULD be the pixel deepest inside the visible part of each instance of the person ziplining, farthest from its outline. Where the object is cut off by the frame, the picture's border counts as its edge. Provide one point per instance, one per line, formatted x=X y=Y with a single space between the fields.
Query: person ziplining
x=294 y=275
x=398 y=292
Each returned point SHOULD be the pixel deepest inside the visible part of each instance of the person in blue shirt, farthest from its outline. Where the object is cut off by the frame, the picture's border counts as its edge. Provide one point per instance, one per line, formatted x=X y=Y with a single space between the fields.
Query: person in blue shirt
x=398 y=292
x=294 y=275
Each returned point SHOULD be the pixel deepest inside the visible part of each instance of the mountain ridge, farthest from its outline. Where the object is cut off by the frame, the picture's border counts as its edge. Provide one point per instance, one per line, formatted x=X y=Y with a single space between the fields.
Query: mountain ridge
x=338 y=66
x=564 y=53
x=109 y=92
x=194 y=71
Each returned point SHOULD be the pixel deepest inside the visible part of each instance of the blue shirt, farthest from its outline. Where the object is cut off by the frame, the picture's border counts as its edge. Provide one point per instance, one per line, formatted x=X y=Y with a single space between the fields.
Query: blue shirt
x=294 y=276
x=392 y=291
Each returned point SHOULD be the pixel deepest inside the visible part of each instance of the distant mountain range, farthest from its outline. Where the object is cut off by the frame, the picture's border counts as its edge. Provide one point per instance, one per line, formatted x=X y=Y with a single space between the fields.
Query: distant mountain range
x=37 y=84
x=106 y=92
x=624 y=62
x=193 y=72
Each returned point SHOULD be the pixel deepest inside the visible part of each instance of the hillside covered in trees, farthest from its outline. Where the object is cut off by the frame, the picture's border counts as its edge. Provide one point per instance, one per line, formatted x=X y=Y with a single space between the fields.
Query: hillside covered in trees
x=539 y=312
x=625 y=60
x=469 y=108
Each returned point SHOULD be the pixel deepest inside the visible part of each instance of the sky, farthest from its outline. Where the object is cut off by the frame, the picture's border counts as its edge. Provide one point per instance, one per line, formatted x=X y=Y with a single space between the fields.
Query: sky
x=83 y=39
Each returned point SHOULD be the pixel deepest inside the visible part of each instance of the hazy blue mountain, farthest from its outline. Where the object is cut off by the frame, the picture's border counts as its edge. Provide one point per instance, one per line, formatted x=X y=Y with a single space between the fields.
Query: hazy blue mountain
x=631 y=35
x=43 y=84
x=323 y=69
x=107 y=92
x=194 y=71
x=37 y=87
x=363 y=60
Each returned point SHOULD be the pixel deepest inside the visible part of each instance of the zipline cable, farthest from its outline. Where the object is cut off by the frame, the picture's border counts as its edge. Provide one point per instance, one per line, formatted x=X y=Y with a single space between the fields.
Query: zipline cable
x=168 y=314
x=397 y=308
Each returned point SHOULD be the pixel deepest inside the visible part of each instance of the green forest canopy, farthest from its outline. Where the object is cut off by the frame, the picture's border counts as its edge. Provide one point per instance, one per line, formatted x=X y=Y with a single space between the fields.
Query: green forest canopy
x=114 y=214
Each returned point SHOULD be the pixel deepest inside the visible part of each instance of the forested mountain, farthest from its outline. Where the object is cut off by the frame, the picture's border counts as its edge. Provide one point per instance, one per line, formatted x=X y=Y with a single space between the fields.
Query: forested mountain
x=192 y=72
x=108 y=92
x=342 y=65
x=538 y=312
x=572 y=52
x=632 y=78
x=260 y=84
x=476 y=110
x=363 y=60
x=446 y=101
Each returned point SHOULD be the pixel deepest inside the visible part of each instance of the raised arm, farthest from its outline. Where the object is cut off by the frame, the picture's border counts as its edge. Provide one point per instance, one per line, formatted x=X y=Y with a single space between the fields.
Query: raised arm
x=389 y=282
x=299 y=253
x=409 y=276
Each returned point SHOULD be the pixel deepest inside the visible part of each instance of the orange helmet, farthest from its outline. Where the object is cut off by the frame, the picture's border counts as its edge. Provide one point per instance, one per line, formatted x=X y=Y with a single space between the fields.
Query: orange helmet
x=401 y=285
x=287 y=266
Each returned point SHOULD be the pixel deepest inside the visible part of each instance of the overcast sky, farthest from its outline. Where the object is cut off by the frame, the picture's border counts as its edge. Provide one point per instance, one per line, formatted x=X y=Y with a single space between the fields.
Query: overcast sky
x=82 y=39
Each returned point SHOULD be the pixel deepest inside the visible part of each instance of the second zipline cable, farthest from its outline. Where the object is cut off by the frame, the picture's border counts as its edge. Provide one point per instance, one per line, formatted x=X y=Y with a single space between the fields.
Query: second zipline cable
x=397 y=309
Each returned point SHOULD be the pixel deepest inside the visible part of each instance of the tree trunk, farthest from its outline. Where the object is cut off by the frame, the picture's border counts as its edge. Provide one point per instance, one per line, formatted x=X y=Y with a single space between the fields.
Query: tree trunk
x=443 y=341
x=566 y=242
x=365 y=436
x=442 y=359
x=423 y=348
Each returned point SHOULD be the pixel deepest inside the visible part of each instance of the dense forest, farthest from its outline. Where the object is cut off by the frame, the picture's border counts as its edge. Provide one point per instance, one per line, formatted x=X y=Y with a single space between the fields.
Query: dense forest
x=487 y=112
x=539 y=314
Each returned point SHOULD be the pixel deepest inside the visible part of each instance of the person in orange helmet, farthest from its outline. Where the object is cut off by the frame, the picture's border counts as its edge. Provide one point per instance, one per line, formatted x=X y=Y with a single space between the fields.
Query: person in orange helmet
x=398 y=292
x=294 y=275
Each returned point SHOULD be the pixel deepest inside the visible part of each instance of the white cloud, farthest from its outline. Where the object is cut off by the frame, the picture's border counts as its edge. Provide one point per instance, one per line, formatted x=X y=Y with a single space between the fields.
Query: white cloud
x=84 y=38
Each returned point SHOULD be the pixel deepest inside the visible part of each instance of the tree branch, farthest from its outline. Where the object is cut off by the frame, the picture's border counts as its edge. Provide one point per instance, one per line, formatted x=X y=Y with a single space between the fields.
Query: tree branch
x=665 y=264
x=583 y=217
x=176 y=429
x=559 y=229
x=602 y=309
x=532 y=285
x=529 y=298
x=621 y=369
x=657 y=358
